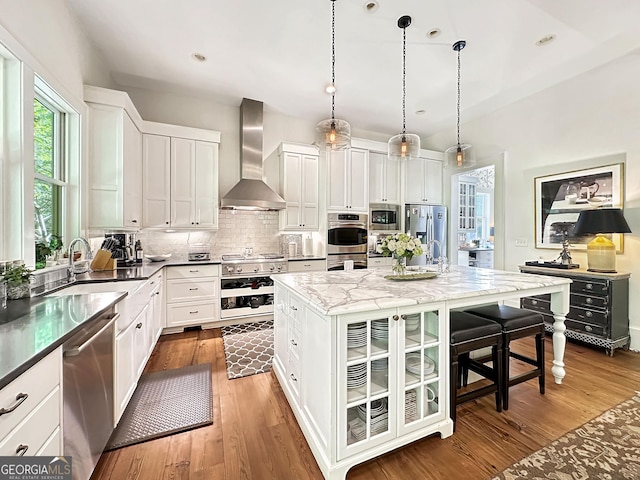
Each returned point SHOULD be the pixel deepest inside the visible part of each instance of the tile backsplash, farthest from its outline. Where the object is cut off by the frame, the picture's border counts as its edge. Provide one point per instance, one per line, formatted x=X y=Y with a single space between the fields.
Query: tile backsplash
x=237 y=229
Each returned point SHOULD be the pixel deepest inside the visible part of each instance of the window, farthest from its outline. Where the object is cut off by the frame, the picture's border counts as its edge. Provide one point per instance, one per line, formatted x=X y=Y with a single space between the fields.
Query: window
x=49 y=172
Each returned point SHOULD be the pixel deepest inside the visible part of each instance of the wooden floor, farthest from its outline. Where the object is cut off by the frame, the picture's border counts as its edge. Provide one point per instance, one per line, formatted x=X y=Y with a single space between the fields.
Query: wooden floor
x=255 y=436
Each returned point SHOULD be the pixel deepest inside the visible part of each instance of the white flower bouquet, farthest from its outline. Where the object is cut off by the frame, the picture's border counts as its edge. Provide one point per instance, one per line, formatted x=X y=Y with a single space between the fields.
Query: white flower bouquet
x=400 y=245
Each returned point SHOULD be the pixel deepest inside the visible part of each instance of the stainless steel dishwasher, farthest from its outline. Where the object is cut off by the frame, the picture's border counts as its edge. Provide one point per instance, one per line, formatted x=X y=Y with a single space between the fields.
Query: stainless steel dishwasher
x=88 y=394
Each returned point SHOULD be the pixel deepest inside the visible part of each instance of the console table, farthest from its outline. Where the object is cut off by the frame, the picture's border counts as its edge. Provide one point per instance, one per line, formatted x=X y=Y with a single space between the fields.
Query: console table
x=598 y=306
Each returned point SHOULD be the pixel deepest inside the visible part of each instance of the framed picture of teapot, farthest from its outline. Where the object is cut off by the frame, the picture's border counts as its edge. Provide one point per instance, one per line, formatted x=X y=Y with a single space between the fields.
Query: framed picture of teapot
x=560 y=198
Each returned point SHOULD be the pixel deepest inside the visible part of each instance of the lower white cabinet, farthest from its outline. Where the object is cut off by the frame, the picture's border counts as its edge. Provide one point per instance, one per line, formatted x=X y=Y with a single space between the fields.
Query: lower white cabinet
x=192 y=296
x=379 y=262
x=137 y=330
x=361 y=384
x=307 y=265
x=33 y=426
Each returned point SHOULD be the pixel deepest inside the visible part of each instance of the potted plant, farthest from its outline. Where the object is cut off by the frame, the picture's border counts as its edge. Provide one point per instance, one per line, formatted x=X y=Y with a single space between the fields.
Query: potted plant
x=42 y=252
x=18 y=280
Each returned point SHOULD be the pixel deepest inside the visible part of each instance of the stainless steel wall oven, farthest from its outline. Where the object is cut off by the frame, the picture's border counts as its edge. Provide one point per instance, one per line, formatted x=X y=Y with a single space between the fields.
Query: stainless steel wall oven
x=347 y=238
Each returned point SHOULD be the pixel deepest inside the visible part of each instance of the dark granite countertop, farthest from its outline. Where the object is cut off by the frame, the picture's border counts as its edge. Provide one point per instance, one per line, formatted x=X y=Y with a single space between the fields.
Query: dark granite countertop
x=32 y=328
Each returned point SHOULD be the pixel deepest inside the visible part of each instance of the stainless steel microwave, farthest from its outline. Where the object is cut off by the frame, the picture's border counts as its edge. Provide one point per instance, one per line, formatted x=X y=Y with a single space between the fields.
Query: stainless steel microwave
x=384 y=216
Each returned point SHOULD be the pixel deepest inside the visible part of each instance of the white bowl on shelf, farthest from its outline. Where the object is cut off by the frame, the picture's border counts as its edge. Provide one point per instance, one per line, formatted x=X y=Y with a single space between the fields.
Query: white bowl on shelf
x=158 y=258
x=598 y=201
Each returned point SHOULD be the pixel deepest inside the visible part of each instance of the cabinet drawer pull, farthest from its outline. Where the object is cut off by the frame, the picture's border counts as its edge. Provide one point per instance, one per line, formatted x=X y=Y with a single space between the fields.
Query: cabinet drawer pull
x=194 y=312
x=21 y=397
x=139 y=325
x=293 y=342
x=294 y=308
x=21 y=450
x=588 y=328
x=403 y=316
x=396 y=318
x=194 y=271
x=293 y=377
x=193 y=289
x=306 y=265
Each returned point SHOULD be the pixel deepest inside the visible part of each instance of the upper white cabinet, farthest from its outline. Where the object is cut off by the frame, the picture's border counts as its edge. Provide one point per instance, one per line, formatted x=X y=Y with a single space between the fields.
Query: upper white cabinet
x=348 y=180
x=423 y=181
x=384 y=180
x=180 y=178
x=298 y=185
x=115 y=160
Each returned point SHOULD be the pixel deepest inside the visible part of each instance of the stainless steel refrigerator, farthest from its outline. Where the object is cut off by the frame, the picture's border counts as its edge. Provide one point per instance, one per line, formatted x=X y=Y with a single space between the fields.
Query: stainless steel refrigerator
x=427 y=222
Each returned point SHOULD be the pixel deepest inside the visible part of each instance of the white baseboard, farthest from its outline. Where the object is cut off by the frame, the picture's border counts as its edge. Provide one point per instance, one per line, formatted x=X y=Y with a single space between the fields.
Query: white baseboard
x=635 y=339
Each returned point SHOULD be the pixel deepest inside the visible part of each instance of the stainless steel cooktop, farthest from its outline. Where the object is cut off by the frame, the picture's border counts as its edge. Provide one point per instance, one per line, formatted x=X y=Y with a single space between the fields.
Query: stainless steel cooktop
x=235 y=264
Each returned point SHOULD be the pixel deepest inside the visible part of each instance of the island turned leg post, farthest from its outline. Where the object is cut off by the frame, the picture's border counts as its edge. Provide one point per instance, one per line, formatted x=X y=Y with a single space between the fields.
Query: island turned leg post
x=560 y=308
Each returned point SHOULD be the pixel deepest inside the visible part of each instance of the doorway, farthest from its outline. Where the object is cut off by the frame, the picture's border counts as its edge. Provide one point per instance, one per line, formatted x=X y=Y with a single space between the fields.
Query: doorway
x=473 y=217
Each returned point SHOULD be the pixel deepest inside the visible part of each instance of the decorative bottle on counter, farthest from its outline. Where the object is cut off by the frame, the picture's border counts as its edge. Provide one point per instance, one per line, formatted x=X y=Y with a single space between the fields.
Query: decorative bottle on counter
x=139 y=252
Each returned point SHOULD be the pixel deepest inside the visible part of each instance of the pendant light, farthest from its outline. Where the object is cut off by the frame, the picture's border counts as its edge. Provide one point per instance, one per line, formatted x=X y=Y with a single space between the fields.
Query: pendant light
x=404 y=145
x=333 y=133
x=461 y=155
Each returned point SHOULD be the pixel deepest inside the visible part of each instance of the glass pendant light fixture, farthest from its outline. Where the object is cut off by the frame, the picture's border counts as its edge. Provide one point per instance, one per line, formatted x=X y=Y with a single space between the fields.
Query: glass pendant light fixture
x=333 y=133
x=404 y=145
x=461 y=155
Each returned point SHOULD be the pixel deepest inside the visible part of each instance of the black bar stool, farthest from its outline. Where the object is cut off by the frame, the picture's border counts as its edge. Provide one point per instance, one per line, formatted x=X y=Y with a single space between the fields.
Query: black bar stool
x=516 y=323
x=468 y=333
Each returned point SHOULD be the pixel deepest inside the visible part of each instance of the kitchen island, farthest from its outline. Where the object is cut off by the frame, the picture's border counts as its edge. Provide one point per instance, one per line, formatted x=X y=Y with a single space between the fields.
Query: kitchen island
x=363 y=360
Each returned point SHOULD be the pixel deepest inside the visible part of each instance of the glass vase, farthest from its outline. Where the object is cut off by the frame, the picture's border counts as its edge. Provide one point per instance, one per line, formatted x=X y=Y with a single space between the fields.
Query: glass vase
x=399 y=266
x=18 y=290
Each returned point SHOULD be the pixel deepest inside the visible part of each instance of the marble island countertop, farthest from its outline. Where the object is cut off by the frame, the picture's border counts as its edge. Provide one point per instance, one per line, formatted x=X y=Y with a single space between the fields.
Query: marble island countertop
x=45 y=324
x=340 y=292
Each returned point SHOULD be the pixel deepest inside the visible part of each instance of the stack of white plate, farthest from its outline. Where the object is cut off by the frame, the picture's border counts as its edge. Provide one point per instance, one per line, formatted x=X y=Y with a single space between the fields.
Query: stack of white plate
x=412 y=322
x=358 y=429
x=380 y=330
x=379 y=418
x=378 y=407
x=356 y=375
x=410 y=405
x=412 y=364
x=380 y=365
x=356 y=335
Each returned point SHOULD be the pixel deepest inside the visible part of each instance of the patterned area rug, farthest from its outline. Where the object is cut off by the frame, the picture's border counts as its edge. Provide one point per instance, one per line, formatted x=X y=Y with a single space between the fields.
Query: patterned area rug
x=165 y=403
x=248 y=348
x=606 y=448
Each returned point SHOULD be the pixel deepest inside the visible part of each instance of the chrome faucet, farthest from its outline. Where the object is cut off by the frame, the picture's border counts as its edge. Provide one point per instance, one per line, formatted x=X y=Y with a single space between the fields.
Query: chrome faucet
x=429 y=251
x=73 y=270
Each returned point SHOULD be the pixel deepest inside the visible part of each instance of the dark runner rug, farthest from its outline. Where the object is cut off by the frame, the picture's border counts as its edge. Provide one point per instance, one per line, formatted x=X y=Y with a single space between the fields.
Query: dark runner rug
x=606 y=448
x=248 y=348
x=165 y=403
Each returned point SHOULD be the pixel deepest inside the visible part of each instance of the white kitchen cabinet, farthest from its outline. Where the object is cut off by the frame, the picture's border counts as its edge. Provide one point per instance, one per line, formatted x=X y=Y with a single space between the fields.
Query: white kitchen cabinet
x=384 y=179
x=423 y=181
x=298 y=185
x=382 y=382
x=379 y=262
x=348 y=176
x=192 y=296
x=115 y=161
x=180 y=182
x=467 y=206
x=35 y=422
x=307 y=265
x=156 y=185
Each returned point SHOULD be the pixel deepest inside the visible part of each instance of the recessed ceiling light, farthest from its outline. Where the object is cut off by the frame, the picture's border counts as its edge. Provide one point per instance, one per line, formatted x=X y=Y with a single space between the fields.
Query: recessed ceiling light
x=546 y=39
x=330 y=89
x=198 y=57
x=371 y=7
x=433 y=33
x=420 y=112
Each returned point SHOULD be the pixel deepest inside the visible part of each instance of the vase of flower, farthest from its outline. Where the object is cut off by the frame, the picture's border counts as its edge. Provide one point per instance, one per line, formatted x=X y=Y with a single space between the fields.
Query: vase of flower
x=401 y=247
x=399 y=266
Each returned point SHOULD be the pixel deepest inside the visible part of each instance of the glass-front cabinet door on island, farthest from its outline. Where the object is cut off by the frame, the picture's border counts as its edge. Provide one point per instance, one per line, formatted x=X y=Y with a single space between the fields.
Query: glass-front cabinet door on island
x=390 y=382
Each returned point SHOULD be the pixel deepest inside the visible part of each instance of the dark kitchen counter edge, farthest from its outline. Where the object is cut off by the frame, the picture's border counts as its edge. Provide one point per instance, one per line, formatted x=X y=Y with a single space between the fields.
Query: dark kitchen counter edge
x=24 y=365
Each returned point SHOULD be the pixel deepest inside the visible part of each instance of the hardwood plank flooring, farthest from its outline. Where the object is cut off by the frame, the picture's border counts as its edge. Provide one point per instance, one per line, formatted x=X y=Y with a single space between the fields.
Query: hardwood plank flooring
x=255 y=435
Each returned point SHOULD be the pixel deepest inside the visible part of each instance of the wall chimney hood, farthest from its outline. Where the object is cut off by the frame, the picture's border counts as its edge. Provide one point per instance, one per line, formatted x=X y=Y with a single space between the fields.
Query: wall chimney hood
x=251 y=193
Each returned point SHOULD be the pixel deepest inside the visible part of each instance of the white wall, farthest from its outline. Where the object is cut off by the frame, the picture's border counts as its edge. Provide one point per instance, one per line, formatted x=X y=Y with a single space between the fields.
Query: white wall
x=50 y=33
x=583 y=122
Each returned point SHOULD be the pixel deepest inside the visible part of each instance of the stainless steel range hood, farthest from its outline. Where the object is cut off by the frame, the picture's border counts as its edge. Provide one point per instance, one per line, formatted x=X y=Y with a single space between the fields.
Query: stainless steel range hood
x=251 y=193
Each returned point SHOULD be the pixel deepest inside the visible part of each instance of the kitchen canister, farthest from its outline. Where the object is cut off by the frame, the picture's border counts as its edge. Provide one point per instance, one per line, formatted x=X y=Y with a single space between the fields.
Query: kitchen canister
x=293 y=249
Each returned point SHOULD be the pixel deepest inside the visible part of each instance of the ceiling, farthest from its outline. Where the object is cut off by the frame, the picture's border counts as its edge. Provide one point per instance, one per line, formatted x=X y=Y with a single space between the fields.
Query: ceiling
x=279 y=52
